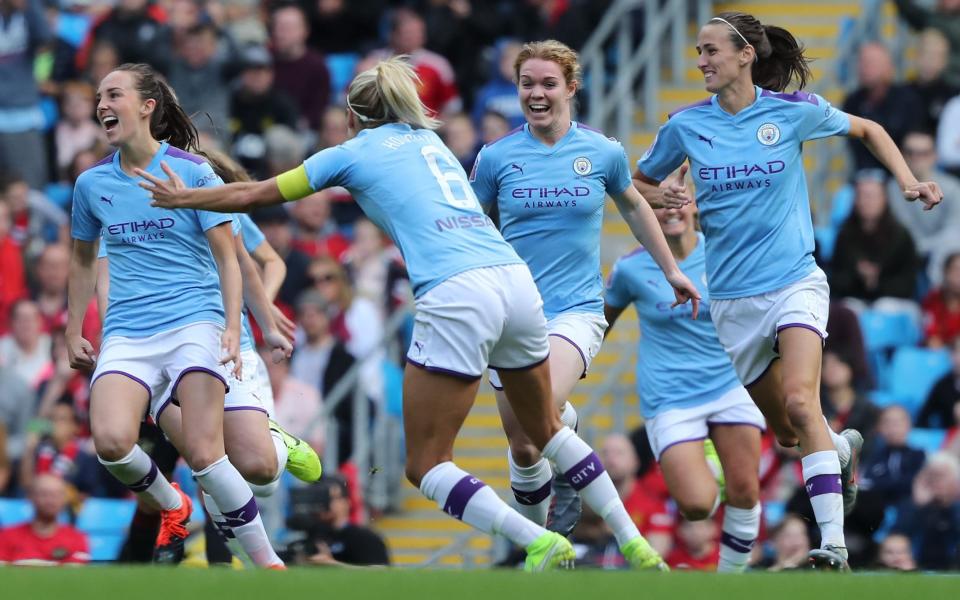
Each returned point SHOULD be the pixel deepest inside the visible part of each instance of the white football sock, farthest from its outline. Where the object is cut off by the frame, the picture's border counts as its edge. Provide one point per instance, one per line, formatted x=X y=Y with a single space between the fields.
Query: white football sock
x=138 y=472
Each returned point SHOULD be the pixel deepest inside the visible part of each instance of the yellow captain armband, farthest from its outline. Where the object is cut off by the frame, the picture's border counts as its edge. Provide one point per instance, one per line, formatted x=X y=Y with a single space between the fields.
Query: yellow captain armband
x=294 y=184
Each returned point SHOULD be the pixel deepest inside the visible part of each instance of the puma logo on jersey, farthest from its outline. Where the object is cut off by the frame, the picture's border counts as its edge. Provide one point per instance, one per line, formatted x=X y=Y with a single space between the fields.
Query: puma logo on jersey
x=708 y=140
x=107 y=200
x=518 y=167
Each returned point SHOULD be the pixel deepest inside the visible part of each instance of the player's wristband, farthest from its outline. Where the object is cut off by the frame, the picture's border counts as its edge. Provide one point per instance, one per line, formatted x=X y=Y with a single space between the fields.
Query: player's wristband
x=294 y=184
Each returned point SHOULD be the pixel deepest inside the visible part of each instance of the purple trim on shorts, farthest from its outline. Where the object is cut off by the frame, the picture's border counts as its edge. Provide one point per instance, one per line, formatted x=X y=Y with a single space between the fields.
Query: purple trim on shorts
x=672 y=444
x=736 y=423
x=230 y=408
x=499 y=388
x=583 y=357
x=584 y=472
x=530 y=366
x=443 y=371
x=824 y=484
x=176 y=384
x=803 y=325
x=533 y=497
x=737 y=544
x=460 y=495
x=128 y=375
x=764 y=372
x=146 y=481
x=163 y=407
x=243 y=515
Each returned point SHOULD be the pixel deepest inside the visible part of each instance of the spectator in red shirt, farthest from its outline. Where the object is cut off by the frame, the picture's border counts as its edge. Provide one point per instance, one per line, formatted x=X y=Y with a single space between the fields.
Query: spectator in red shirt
x=44 y=541
x=315 y=233
x=646 y=501
x=697 y=548
x=438 y=86
x=13 y=285
x=50 y=293
x=941 y=308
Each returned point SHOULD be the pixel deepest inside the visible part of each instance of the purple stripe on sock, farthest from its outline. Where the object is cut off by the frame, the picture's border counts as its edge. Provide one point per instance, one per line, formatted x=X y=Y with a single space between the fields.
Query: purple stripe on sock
x=461 y=493
x=534 y=497
x=243 y=515
x=824 y=484
x=583 y=357
x=143 y=484
x=737 y=544
x=584 y=472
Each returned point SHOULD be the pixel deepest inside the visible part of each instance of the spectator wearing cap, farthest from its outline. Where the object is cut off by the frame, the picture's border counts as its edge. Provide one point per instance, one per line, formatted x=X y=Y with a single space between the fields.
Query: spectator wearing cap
x=23 y=29
x=255 y=106
x=299 y=71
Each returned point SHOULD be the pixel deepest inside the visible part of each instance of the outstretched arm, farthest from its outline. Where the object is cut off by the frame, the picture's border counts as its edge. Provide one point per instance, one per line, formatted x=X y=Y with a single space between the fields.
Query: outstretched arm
x=241 y=196
x=881 y=145
x=644 y=226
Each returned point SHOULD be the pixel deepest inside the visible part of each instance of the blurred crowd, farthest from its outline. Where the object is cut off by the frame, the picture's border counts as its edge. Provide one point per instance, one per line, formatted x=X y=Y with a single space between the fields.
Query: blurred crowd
x=264 y=81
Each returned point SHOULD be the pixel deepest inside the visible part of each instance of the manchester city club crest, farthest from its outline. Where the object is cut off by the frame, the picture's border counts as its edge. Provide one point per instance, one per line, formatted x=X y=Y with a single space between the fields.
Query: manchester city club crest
x=768 y=134
x=582 y=165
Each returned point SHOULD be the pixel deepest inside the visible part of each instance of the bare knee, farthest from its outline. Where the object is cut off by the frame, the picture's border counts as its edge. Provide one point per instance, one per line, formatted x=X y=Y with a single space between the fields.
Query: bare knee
x=524 y=453
x=258 y=469
x=743 y=494
x=200 y=456
x=800 y=409
x=696 y=509
x=113 y=446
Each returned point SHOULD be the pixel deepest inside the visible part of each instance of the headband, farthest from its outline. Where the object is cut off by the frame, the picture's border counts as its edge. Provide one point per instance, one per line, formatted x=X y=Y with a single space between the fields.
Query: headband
x=363 y=118
x=756 y=56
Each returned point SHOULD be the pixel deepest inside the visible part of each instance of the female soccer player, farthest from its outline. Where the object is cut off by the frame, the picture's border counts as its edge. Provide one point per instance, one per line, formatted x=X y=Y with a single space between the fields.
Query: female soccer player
x=549 y=180
x=769 y=299
x=167 y=323
x=476 y=304
x=711 y=402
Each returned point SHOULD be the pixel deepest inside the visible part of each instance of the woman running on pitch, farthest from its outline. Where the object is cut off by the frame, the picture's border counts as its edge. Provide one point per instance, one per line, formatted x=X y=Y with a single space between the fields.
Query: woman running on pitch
x=550 y=179
x=476 y=302
x=689 y=391
x=167 y=323
x=769 y=298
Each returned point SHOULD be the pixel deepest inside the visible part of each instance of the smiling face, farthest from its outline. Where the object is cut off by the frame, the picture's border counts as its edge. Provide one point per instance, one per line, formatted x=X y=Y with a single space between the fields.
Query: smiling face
x=545 y=93
x=720 y=61
x=676 y=222
x=120 y=110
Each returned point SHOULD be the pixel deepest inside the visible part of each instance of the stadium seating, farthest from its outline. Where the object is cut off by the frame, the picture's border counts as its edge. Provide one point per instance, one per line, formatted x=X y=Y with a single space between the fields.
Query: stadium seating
x=14 y=511
x=106 y=546
x=928 y=440
x=912 y=373
x=105 y=515
x=826 y=240
x=883 y=333
x=341 y=67
x=841 y=206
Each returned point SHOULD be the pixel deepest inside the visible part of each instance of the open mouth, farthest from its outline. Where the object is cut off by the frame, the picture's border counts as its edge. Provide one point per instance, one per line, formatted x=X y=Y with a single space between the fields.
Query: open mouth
x=109 y=123
x=539 y=108
x=673 y=220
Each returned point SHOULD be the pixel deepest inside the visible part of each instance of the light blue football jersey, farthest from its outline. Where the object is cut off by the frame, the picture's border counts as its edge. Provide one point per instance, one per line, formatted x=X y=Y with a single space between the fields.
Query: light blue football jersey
x=750 y=184
x=412 y=187
x=551 y=208
x=162 y=272
x=680 y=362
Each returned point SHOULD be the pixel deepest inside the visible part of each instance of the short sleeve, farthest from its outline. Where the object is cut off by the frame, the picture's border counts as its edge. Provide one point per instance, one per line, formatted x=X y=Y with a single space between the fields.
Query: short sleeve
x=618 y=176
x=84 y=225
x=819 y=118
x=203 y=176
x=483 y=178
x=665 y=154
x=102 y=250
x=618 y=292
x=329 y=167
x=252 y=236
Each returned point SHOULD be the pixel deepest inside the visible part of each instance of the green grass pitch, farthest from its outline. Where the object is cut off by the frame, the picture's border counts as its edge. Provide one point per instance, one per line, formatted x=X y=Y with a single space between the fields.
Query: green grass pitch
x=139 y=583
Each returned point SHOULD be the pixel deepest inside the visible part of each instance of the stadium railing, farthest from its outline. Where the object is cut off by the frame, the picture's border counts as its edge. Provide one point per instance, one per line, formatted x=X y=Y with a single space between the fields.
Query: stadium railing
x=664 y=35
x=378 y=439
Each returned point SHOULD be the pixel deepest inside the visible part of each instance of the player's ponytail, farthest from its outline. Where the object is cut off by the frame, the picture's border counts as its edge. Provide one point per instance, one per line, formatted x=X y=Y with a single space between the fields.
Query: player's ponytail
x=387 y=93
x=780 y=58
x=168 y=122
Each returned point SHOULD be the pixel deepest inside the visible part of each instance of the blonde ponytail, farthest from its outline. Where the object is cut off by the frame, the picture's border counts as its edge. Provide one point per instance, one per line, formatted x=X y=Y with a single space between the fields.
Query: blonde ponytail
x=387 y=93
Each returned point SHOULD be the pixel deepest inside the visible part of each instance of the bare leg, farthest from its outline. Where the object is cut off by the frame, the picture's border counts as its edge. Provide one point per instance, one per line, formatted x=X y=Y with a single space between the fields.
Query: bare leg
x=739 y=449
